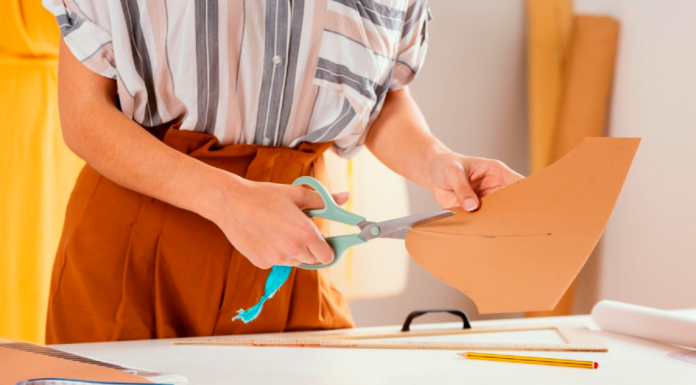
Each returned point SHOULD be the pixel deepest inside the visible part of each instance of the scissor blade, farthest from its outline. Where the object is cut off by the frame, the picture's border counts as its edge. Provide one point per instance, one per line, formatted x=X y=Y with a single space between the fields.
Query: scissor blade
x=401 y=234
x=398 y=228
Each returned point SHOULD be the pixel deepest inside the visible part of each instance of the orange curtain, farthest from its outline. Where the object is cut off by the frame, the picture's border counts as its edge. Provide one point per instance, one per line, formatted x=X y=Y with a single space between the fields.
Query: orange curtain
x=36 y=168
x=572 y=102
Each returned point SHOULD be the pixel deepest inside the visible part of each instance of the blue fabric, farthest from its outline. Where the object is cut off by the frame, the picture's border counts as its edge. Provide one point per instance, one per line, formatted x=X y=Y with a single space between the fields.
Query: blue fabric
x=276 y=279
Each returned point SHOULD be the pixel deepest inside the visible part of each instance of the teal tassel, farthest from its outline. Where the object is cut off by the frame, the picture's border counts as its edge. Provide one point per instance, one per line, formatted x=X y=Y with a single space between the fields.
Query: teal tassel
x=276 y=279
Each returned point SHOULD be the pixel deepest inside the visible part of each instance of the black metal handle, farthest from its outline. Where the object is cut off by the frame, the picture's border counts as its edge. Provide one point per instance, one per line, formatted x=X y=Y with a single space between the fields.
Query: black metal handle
x=418 y=313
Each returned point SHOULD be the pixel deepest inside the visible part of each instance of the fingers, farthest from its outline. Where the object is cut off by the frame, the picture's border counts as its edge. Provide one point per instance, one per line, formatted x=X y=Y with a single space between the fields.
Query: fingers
x=494 y=177
x=307 y=199
x=446 y=198
x=310 y=199
x=321 y=250
x=274 y=232
x=341 y=198
x=466 y=197
x=287 y=256
x=305 y=256
x=512 y=176
x=313 y=241
x=505 y=175
x=308 y=245
x=310 y=248
x=314 y=248
x=258 y=261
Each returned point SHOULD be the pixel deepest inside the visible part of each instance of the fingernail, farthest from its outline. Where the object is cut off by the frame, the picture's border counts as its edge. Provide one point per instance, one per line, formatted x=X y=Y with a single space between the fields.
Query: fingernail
x=470 y=204
x=342 y=195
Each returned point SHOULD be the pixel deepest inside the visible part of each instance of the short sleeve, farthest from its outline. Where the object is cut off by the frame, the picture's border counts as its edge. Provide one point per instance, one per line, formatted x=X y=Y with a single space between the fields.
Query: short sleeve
x=413 y=45
x=85 y=26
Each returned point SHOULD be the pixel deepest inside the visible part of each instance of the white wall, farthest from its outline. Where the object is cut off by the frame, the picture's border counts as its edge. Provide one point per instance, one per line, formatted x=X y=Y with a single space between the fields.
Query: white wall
x=472 y=93
x=649 y=247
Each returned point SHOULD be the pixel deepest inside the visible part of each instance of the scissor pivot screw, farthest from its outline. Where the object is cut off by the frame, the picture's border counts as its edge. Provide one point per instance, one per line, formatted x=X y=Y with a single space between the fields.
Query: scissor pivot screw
x=374 y=230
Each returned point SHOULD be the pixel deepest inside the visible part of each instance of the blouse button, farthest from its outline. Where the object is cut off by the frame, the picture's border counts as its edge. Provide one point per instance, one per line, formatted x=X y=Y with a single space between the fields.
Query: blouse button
x=265 y=141
x=276 y=60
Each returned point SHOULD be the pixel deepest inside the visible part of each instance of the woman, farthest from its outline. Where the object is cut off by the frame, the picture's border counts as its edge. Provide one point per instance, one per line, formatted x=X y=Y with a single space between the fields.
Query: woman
x=185 y=201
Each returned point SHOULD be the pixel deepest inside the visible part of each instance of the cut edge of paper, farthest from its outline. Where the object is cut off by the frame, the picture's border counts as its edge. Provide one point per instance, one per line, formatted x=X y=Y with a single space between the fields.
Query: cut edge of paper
x=629 y=145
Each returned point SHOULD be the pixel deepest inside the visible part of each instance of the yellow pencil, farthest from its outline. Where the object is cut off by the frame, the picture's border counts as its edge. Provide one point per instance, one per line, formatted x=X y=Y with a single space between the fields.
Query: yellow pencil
x=530 y=360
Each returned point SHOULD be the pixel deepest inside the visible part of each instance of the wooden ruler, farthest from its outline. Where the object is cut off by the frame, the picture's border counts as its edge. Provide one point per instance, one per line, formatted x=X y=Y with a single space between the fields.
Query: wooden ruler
x=577 y=338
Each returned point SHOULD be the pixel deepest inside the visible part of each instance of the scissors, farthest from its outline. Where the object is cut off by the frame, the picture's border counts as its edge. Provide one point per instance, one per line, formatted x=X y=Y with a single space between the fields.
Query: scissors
x=394 y=229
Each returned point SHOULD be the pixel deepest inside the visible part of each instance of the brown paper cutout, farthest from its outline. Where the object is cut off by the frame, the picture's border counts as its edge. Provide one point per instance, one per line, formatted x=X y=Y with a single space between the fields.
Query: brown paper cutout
x=17 y=365
x=522 y=249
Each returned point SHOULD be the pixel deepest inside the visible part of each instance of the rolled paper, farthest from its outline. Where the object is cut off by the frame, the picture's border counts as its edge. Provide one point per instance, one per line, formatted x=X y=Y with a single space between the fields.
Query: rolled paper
x=549 y=25
x=589 y=75
x=645 y=322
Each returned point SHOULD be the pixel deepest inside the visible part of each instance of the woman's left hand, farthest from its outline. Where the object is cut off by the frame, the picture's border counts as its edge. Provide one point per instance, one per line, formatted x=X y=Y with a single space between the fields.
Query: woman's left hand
x=458 y=180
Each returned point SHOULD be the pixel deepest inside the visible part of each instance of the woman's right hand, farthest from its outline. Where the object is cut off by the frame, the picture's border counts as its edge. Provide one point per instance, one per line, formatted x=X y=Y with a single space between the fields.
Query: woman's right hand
x=265 y=222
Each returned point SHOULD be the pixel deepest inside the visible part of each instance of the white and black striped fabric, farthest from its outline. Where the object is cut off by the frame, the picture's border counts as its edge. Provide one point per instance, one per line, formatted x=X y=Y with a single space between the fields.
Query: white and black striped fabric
x=269 y=72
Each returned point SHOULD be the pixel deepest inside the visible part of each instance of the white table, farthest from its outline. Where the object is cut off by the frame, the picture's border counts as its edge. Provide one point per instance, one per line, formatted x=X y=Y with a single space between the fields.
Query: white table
x=629 y=361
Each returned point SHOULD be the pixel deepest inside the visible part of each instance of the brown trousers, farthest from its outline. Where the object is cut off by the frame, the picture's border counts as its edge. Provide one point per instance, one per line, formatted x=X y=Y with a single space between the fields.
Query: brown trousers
x=132 y=267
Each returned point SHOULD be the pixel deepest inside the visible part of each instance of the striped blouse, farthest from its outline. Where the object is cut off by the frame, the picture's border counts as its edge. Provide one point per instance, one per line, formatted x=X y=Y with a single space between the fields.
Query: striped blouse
x=269 y=72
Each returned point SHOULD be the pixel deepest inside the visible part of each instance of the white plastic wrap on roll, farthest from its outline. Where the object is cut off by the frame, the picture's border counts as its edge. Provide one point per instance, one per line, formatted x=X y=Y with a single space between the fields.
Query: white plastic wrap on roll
x=645 y=322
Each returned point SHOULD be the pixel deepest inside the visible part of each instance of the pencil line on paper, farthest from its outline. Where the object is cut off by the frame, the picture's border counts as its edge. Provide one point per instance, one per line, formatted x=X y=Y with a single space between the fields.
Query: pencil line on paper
x=486 y=235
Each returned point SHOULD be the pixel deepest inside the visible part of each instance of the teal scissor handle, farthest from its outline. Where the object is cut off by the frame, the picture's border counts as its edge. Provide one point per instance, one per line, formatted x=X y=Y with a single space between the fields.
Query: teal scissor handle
x=332 y=212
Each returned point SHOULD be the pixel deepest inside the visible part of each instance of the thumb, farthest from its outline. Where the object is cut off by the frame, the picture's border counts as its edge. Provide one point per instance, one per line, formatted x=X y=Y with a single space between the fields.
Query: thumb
x=341 y=198
x=466 y=196
x=308 y=199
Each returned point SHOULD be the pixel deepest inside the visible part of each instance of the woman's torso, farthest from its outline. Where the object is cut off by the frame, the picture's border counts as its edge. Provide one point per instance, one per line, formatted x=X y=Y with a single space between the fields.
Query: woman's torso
x=270 y=72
